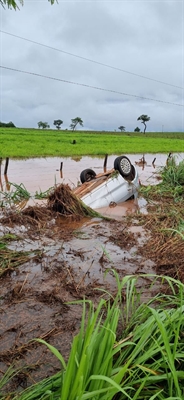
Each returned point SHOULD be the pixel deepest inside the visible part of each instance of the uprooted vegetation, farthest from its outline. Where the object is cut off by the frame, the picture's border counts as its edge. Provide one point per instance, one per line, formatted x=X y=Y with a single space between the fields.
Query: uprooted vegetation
x=61 y=202
x=60 y=199
x=64 y=201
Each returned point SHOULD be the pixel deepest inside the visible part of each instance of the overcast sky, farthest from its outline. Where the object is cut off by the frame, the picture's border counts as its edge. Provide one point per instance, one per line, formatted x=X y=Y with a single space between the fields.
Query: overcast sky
x=141 y=43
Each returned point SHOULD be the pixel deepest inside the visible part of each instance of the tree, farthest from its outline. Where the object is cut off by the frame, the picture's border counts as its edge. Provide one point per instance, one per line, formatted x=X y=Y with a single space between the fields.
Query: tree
x=43 y=125
x=143 y=118
x=137 y=129
x=14 y=3
x=122 y=128
x=76 y=121
x=58 y=123
x=7 y=125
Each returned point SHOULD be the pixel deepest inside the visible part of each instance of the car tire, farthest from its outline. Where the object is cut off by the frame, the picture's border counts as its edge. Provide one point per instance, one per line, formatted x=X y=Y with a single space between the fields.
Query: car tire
x=116 y=163
x=123 y=165
x=87 y=175
x=131 y=177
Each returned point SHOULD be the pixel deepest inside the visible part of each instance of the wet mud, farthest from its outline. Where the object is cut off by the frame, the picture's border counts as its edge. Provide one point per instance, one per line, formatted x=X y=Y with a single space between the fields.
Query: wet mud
x=73 y=263
x=70 y=260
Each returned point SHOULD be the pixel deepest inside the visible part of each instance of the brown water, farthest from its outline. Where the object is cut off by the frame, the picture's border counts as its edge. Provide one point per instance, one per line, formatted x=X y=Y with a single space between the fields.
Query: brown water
x=42 y=173
x=39 y=174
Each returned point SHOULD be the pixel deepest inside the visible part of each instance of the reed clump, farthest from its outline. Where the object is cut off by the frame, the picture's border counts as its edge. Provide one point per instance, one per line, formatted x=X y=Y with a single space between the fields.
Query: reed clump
x=64 y=201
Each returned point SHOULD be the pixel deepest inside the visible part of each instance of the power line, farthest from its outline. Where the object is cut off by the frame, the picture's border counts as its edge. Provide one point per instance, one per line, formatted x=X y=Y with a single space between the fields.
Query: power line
x=93 y=61
x=89 y=86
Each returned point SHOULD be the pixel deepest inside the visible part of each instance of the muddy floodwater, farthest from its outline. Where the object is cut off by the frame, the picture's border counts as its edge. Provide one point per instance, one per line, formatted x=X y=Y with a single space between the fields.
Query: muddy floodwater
x=68 y=259
x=41 y=173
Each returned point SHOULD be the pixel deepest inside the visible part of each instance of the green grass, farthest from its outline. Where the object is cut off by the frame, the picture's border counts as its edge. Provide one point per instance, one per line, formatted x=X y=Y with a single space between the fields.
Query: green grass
x=144 y=361
x=171 y=185
x=15 y=195
x=19 y=143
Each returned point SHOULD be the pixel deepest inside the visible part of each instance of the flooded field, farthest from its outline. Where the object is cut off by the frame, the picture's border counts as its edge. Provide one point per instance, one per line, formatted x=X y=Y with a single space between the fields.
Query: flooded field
x=68 y=259
x=41 y=173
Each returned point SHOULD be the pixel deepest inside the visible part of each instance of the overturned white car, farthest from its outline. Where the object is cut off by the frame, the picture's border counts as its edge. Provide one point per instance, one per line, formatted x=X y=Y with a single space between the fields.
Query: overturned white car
x=111 y=187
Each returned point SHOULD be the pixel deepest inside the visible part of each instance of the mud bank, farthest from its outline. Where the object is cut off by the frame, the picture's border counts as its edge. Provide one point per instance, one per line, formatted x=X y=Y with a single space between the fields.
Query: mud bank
x=67 y=261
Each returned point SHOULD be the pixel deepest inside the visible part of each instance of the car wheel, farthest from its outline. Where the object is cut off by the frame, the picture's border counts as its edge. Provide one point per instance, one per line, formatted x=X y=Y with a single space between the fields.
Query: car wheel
x=123 y=165
x=132 y=175
x=87 y=175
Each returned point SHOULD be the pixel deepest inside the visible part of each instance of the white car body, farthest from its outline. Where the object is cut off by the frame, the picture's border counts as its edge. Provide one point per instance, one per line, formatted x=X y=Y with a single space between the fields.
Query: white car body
x=107 y=189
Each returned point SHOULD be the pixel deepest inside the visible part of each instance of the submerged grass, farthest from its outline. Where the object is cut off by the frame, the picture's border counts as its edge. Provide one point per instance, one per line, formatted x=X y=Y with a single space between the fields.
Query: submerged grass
x=14 y=195
x=11 y=259
x=124 y=350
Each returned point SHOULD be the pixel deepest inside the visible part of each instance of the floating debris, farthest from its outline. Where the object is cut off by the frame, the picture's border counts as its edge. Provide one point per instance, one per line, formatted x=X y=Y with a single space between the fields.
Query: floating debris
x=64 y=201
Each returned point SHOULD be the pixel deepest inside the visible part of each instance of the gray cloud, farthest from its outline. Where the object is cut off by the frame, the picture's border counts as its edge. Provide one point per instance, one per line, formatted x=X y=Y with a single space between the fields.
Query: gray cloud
x=142 y=37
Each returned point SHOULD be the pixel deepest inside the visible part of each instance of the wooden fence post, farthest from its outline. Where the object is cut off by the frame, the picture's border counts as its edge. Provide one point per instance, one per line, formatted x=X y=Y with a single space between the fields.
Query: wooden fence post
x=0 y=165
x=105 y=162
x=6 y=166
x=61 y=169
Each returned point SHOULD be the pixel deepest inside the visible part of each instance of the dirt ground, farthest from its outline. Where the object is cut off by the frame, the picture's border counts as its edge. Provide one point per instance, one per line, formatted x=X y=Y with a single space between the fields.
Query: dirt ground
x=67 y=261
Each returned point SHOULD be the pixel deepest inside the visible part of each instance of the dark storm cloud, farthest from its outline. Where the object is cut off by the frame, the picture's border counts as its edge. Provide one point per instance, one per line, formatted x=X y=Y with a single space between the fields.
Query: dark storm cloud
x=142 y=37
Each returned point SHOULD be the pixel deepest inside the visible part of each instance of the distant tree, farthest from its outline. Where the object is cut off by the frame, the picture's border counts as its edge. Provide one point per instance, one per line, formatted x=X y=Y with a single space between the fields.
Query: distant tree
x=137 y=129
x=14 y=3
x=43 y=125
x=75 y=122
x=58 y=123
x=7 y=125
x=10 y=125
x=122 y=128
x=143 y=118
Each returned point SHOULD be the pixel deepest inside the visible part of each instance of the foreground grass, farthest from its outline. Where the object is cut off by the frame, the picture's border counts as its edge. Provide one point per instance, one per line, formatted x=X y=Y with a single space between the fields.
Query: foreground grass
x=19 y=143
x=144 y=361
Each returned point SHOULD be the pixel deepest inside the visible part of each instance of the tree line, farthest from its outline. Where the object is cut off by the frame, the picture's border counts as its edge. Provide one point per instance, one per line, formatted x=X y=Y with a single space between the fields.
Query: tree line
x=58 y=122
x=75 y=121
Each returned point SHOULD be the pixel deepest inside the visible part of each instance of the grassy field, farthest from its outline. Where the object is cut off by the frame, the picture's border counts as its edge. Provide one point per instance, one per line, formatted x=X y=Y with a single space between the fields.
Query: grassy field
x=19 y=142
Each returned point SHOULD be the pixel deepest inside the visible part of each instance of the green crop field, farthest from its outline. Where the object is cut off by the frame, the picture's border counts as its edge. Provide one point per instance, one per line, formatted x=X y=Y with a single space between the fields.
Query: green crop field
x=19 y=142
